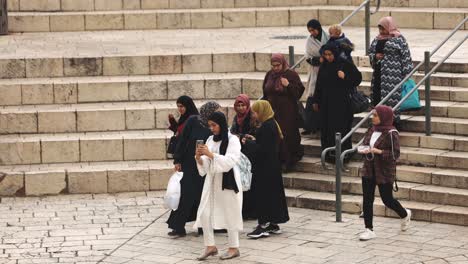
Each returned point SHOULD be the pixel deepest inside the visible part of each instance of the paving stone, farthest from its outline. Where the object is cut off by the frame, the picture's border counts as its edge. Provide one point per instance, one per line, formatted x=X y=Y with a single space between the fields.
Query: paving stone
x=53 y=122
x=65 y=93
x=144 y=149
x=11 y=184
x=20 y=153
x=98 y=92
x=67 y=23
x=128 y=180
x=45 y=183
x=87 y=182
x=44 y=67
x=82 y=66
x=101 y=150
x=60 y=151
x=11 y=94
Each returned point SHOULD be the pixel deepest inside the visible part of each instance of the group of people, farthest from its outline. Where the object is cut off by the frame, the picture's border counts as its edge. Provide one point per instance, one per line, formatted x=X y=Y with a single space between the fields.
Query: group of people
x=207 y=150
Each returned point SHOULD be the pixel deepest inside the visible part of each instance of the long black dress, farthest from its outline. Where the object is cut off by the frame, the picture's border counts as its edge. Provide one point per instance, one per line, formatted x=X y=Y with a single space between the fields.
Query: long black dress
x=267 y=181
x=191 y=183
x=248 y=127
x=332 y=94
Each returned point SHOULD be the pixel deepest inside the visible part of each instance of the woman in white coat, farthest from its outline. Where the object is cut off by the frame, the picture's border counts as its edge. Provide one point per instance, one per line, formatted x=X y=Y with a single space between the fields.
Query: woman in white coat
x=221 y=201
x=318 y=37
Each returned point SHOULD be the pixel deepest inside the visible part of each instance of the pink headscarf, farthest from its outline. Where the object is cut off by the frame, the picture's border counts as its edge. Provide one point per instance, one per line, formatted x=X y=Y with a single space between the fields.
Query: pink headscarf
x=275 y=77
x=242 y=98
x=390 y=26
x=386 y=118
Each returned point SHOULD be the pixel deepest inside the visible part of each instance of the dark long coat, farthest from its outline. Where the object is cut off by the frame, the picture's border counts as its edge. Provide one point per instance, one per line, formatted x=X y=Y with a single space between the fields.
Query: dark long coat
x=267 y=181
x=383 y=166
x=191 y=183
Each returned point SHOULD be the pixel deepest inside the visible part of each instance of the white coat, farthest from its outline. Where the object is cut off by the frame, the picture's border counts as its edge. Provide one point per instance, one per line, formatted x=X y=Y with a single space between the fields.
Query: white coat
x=224 y=206
x=313 y=50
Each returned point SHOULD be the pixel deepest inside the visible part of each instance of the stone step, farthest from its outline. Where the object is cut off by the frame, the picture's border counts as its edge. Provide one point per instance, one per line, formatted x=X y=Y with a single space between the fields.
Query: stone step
x=72 y=90
x=454 y=178
x=353 y=204
x=106 y=5
x=420 y=18
x=93 y=117
x=83 y=147
x=352 y=185
x=425 y=157
x=85 y=177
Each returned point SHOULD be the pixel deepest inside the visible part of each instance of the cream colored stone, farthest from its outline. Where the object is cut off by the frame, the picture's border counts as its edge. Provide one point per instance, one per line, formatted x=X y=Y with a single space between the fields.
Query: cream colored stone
x=251 y=3
x=330 y=16
x=37 y=93
x=140 y=119
x=358 y=20
x=450 y=215
x=146 y=91
x=154 y=4
x=144 y=149
x=87 y=182
x=193 y=88
x=60 y=151
x=300 y=17
x=101 y=120
x=82 y=66
x=40 y=5
x=453 y=3
x=20 y=153
x=13 y=5
x=204 y=19
x=395 y=3
x=184 y=4
x=65 y=93
x=104 y=21
x=171 y=64
x=447 y=20
x=108 y=5
x=101 y=150
x=159 y=178
x=18 y=123
x=12 y=68
x=223 y=88
x=74 y=5
x=128 y=181
x=314 y=2
x=28 y=23
x=411 y=19
x=11 y=184
x=424 y=3
x=44 y=67
x=131 y=4
x=66 y=23
x=174 y=20
x=284 y=3
x=197 y=63
x=253 y=88
x=437 y=142
x=217 y=4
x=126 y=65
x=40 y=183
x=239 y=19
x=275 y=18
x=102 y=92
x=11 y=94
x=240 y=62
x=262 y=62
x=161 y=117
x=140 y=21
x=456 y=160
x=57 y=122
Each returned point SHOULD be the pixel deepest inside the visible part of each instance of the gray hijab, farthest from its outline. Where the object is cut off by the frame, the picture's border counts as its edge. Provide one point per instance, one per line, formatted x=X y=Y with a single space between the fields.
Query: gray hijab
x=207 y=110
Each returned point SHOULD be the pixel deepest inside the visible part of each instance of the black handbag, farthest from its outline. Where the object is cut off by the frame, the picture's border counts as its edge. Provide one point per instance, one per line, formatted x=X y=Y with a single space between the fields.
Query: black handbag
x=172 y=145
x=359 y=101
x=301 y=114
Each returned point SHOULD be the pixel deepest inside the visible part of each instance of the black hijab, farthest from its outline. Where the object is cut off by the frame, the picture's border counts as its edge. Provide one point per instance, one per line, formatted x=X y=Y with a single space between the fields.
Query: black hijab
x=315 y=24
x=190 y=108
x=229 y=181
x=333 y=49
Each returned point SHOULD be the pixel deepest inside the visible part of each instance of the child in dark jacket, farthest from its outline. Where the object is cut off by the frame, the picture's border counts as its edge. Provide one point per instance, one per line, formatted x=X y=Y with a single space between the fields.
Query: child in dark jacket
x=341 y=42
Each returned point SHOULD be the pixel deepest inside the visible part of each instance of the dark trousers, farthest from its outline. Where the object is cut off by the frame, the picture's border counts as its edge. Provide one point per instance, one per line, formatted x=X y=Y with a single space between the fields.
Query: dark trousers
x=386 y=193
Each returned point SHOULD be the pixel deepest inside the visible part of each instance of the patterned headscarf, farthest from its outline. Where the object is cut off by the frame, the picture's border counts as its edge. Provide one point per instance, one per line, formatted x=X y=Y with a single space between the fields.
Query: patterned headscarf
x=389 y=24
x=265 y=112
x=207 y=110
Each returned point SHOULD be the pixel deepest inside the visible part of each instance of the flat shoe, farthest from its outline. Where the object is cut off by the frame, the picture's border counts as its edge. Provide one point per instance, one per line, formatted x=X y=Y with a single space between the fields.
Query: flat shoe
x=208 y=254
x=227 y=255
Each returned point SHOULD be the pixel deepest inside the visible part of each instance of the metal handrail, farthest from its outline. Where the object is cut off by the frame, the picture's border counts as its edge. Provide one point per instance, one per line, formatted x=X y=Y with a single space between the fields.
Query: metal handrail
x=363 y=120
x=365 y=4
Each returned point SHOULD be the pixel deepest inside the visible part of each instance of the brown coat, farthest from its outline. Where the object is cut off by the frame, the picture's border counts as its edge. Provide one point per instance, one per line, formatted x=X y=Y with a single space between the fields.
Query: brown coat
x=385 y=163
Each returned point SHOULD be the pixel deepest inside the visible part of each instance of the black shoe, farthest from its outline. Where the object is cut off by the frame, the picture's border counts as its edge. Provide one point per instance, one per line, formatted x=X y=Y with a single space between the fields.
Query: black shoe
x=306 y=132
x=259 y=232
x=220 y=231
x=273 y=229
x=176 y=234
x=200 y=231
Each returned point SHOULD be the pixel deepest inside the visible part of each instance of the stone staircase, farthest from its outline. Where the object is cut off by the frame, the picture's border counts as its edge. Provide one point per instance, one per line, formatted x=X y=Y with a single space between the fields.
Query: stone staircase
x=86 y=112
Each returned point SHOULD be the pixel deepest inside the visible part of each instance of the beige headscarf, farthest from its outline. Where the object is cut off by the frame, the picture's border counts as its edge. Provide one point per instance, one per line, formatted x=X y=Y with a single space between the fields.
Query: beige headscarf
x=265 y=112
x=389 y=24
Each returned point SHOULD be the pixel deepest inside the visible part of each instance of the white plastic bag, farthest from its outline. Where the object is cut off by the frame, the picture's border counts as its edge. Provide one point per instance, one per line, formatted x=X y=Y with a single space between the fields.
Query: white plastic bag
x=245 y=168
x=172 y=197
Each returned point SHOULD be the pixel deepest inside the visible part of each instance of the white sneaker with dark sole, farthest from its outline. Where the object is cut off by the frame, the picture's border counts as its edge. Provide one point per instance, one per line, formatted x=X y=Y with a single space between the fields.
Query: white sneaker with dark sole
x=405 y=222
x=367 y=235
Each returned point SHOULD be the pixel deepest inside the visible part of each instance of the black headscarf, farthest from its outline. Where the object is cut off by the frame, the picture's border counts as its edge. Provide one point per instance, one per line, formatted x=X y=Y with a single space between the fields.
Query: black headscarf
x=190 y=108
x=315 y=24
x=229 y=181
x=333 y=49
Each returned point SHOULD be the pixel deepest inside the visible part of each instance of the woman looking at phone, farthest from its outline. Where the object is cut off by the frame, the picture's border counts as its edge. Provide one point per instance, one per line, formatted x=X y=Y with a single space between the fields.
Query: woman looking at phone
x=196 y=128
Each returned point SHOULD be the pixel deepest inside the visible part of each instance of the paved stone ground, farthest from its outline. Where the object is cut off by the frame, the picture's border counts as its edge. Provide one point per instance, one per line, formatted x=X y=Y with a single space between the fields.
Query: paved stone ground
x=130 y=228
x=153 y=42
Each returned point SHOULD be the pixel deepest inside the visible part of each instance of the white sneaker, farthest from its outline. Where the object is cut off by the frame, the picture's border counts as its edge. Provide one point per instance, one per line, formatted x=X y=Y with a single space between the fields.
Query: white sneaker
x=405 y=222
x=367 y=235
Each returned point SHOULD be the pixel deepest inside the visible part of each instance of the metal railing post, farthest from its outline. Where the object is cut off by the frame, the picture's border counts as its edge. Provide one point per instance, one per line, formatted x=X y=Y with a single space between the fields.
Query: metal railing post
x=338 y=176
x=427 y=90
x=367 y=21
x=291 y=55
x=3 y=17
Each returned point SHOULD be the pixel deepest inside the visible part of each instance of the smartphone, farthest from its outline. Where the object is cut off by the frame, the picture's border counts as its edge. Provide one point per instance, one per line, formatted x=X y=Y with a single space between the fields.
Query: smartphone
x=200 y=142
x=362 y=149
